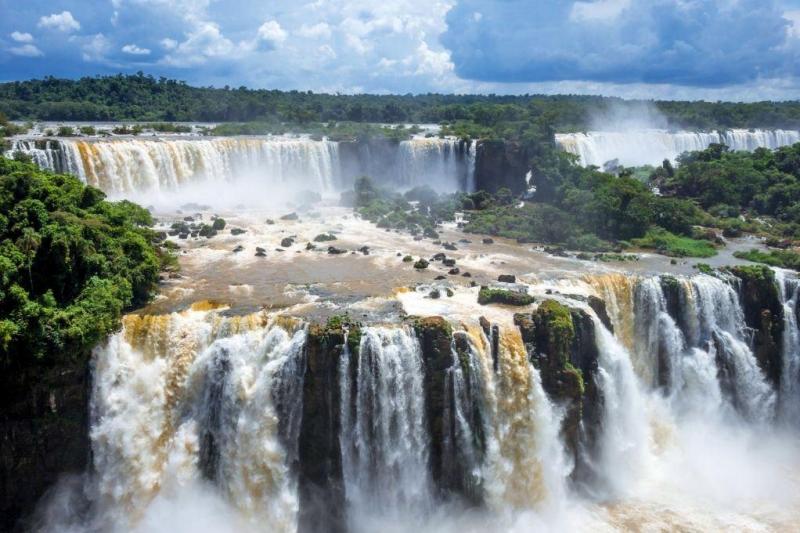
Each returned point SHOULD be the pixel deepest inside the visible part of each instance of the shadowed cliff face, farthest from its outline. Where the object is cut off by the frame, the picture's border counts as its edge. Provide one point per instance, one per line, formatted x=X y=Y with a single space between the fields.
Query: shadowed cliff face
x=44 y=432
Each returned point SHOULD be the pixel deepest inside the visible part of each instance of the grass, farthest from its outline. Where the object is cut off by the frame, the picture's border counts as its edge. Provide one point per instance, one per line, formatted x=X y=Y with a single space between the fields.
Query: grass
x=672 y=245
x=777 y=258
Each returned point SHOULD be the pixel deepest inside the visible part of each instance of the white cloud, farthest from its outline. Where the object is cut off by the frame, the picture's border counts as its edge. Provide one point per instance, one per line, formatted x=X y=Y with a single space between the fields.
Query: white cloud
x=22 y=37
x=63 y=21
x=96 y=48
x=598 y=10
x=26 y=50
x=132 y=49
x=205 y=41
x=317 y=31
x=271 y=34
x=326 y=51
x=169 y=44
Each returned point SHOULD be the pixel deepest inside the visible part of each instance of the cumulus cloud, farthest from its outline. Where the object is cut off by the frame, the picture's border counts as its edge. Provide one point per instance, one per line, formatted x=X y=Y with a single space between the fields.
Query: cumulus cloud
x=134 y=50
x=21 y=37
x=320 y=30
x=702 y=43
x=26 y=50
x=271 y=35
x=168 y=44
x=96 y=48
x=203 y=42
x=63 y=21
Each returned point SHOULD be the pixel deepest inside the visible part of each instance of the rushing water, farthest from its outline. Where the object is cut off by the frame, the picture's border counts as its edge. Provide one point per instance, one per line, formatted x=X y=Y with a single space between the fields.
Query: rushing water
x=651 y=147
x=196 y=419
x=161 y=165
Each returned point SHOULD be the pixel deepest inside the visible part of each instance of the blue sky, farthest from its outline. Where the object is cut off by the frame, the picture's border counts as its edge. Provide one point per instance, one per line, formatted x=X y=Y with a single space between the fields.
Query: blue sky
x=712 y=49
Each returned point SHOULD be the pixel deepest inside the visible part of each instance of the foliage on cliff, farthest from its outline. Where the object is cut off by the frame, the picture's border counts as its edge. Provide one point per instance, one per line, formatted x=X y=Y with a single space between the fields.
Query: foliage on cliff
x=70 y=263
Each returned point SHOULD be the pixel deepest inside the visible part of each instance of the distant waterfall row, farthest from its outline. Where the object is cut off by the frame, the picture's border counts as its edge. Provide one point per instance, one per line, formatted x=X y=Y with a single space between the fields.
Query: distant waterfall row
x=651 y=147
x=123 y=166
x=253 y=420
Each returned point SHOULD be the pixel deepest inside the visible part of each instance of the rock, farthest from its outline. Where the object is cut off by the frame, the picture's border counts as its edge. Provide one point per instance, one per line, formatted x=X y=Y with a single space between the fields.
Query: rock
x=238 y=249
x=435 y=294
x=183 y=236
x=416 y=238
x=207 y=231
x=237 y=231
x=270 y=222
x=421 y=264
x=311 y=246
x=454 y=271
x=449 y=246
x=449 y=292
x=407 y=259
x=325 y=237
x=290 y=216
x=486 y=326
x=449 y=262
x=218 y=224
x=260 y=252
x=188 y=219
x=488 y=240
x=439 y=278
x=430 y=233
x=287 y=242
x=507 y=278
x=279 y=249
x=465 y=241
x=466 y=275
x=332 y=250
x=488 y=296
x=364 y=250
x=439 y=257
x=599 y=308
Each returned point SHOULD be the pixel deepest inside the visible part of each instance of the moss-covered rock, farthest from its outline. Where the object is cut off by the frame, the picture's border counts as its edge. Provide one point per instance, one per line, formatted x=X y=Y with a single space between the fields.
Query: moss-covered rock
x=763 y=313
x=488 y=296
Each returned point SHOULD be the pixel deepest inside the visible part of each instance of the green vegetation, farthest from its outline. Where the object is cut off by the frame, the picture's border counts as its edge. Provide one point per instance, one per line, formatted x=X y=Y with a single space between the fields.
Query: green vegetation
x=148 y=99
x=488 y=296
x=672 y=245
x=777 y=258
x=70 y=263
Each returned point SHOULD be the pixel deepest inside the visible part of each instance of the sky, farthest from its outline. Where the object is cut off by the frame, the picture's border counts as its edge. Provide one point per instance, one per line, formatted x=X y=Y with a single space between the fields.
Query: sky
x=739 y=50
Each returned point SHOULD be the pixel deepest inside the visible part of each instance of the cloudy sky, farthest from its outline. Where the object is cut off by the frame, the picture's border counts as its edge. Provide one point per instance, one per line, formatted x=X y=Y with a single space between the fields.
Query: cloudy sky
x=711 y=49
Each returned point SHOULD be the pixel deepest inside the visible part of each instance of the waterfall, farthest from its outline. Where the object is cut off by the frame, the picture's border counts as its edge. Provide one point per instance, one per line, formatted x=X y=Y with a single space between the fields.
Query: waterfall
x=472 y=158
x=789 y=399
x=384 y=436
x=651 y=147
x=438 y=163
x=183 y=397
x=121 y=166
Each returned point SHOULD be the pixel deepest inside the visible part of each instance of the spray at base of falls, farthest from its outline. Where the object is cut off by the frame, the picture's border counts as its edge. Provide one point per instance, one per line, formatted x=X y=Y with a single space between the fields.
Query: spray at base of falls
x=651 y=147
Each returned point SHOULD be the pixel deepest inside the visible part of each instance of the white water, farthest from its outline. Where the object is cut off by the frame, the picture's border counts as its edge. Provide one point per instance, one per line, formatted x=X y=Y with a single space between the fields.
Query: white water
x=149 y=168
x=651 y=147
x=166 y=385
x=789 y=394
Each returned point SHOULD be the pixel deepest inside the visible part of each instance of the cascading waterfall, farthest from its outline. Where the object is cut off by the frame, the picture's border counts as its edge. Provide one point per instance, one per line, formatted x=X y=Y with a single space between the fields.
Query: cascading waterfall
x=162 y=165
x=197 y=410
x=384 y=436
x=651 y=147
x=435 y=162
x=179 y=396
x=159 y=165
x=789 y=397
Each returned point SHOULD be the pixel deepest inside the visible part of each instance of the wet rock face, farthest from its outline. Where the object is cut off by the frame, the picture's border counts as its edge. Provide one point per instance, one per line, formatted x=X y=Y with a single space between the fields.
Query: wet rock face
x=320 y=482
x=435 y=336
x=561 y=343
x=763 y=314
x=500 y=164
x=44 y=433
